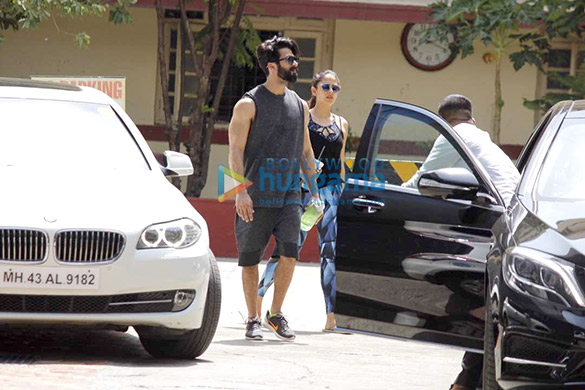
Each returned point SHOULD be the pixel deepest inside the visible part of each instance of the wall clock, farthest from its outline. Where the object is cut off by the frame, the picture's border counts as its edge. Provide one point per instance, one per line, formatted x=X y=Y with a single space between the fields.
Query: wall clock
x=429 y=56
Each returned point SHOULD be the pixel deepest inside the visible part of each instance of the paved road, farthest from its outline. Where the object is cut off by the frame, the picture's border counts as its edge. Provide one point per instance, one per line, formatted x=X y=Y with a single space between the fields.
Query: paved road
x=80 y=360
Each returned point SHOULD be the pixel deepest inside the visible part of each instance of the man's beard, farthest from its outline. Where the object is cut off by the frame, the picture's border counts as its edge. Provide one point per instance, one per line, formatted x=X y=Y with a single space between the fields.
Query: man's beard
x=290 y=75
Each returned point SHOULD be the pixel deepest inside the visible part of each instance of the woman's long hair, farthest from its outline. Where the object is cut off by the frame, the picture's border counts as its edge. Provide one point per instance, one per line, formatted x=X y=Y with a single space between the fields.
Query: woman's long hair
x=316 y=80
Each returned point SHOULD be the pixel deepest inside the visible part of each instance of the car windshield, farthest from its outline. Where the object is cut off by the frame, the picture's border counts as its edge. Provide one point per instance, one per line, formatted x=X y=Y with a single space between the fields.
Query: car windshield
x=48 y=134
x=563 y=173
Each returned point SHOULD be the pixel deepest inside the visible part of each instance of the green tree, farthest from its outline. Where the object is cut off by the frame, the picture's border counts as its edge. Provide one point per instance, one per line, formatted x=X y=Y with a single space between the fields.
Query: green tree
x=228 y=37
x=500 y=25
x=563 y=17
x=24 y=14
x=566 y=19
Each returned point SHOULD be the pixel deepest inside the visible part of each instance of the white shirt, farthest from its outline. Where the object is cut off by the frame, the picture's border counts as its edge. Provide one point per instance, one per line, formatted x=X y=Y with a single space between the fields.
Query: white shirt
x=497 y=164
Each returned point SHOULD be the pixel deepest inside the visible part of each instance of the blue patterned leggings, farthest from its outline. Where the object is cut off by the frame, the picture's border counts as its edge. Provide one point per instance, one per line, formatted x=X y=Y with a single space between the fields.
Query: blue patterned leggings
x=327 y=231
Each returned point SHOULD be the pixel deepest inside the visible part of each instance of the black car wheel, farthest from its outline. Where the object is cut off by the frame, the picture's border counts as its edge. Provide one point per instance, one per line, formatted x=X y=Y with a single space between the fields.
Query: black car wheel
x=489 y=359
x=193 y=343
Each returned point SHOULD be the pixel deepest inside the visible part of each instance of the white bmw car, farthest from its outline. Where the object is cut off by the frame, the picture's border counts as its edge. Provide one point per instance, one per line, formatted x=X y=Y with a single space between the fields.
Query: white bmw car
x=91 y=231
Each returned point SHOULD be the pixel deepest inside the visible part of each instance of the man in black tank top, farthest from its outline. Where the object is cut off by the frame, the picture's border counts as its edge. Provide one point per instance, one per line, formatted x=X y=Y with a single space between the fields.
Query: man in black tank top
x=268 y=142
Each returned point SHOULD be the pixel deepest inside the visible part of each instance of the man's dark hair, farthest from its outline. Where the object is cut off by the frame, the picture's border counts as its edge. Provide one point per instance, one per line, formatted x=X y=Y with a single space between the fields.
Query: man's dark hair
x=456 y=108
x=268 y=51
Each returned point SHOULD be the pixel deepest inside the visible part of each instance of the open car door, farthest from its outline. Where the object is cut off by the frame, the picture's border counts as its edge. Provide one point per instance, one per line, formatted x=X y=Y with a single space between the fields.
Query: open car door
x=409 y=265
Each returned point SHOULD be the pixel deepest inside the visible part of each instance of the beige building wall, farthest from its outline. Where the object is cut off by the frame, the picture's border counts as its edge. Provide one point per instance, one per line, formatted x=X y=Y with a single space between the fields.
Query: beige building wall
x=368 y=58
x=366 y=55
x=219 y=156
x=115 y=50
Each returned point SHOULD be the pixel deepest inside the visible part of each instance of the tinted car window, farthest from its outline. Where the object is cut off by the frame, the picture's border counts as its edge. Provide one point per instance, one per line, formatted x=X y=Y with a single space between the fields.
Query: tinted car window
x=563 y=172
x=401 y=144
x=67 y=135
x=532 y=142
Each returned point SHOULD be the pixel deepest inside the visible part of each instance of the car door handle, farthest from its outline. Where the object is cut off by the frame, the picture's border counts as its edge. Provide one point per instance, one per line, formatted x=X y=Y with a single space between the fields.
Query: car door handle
x=372 y=205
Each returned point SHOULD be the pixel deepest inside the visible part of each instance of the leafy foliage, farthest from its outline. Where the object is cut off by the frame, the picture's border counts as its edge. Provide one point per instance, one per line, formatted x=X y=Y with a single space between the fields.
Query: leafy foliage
x=496 y=23
x=501 y=26
x=575 y=86
x=82 y=39
x=245 y=45
x=25 y=14
x=565 y=18
x=244 y=49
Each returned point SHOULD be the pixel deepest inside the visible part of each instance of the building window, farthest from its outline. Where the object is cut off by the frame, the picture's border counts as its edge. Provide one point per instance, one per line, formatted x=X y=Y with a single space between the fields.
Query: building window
x=565 y=59
x=239 y=80
x=172 y=64
x=308 y=49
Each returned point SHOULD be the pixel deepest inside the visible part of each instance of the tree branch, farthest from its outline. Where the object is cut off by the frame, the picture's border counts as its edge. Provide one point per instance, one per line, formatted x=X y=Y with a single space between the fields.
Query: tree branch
x=215 y=24
x=177 y=139
x=227 y=59
x=162 y=64
x=225 y=13
x=190 y=39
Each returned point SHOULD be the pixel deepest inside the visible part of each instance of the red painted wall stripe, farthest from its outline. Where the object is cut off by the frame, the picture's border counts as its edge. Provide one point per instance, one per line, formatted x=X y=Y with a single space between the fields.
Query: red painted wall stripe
x=222 y=240
x=157 y=133
x=319 y=9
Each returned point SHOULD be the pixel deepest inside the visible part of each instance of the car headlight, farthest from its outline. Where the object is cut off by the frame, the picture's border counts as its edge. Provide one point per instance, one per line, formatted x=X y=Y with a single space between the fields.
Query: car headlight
x=543 y=276
x=175 y=234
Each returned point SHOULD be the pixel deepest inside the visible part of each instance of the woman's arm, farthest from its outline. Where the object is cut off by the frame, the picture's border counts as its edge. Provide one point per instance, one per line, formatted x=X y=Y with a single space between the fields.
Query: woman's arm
x=345 y=131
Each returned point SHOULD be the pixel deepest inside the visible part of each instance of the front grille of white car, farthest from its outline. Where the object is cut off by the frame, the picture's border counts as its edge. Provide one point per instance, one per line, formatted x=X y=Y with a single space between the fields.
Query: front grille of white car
x=146 y=302
x=23 y=245
x=88 y=246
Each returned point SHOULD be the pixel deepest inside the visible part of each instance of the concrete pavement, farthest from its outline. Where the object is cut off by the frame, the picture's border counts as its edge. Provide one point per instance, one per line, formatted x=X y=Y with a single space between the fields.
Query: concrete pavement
x=318 y=360
x=112 y=360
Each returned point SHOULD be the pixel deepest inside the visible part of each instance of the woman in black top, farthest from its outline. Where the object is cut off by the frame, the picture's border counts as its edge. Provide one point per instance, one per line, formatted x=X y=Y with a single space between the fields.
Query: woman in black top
x=328 y=133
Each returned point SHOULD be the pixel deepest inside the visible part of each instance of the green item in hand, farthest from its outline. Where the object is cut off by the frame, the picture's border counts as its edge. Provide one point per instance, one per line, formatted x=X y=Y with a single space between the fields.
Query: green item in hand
x=312 y=215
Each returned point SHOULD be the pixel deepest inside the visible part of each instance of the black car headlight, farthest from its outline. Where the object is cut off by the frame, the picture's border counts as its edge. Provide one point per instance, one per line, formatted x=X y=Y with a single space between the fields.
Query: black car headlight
x=175 y=234
x=543 y=276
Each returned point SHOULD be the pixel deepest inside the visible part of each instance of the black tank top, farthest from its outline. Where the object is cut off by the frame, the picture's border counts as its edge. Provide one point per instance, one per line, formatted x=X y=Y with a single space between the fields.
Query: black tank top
x=274 y=150
x=327 y=142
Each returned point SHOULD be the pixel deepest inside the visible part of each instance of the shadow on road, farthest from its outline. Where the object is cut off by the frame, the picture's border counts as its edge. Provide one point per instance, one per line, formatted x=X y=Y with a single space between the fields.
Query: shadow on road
x=297 y=332
x=79 y=346
x=259 y=343
x=269 y=338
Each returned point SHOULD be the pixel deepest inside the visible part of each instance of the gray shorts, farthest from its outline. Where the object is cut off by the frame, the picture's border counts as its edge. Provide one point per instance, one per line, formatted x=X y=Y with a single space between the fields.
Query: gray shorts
x=253 y=237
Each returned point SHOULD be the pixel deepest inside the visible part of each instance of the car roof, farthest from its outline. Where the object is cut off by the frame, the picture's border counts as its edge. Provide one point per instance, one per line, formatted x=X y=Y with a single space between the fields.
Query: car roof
x=577 y=110
x=46 y=90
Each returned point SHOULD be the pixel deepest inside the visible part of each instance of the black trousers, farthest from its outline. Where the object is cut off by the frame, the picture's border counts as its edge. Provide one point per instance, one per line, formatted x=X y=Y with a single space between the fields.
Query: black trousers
x=472 y=366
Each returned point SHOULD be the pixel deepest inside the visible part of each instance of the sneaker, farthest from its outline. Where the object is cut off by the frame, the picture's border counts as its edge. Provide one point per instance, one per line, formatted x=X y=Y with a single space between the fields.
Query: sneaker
x=253 y=329
x=279 y=325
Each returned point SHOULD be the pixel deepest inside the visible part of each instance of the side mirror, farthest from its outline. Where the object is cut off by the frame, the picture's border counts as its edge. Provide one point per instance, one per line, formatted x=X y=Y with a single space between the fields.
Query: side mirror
x=456 y=183
x=176 y=164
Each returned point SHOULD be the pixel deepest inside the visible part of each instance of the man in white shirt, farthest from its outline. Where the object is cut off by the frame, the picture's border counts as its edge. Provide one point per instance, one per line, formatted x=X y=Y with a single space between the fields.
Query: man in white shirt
x=457 y=110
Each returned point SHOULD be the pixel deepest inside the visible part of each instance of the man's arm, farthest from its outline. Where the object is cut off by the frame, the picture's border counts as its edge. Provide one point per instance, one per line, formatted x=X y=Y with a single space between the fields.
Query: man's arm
x=308 y=165
x=442 y=155
x=244 y=112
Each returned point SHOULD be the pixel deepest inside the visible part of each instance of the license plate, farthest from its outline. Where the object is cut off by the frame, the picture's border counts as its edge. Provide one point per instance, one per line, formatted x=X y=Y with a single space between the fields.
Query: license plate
x=50 y=277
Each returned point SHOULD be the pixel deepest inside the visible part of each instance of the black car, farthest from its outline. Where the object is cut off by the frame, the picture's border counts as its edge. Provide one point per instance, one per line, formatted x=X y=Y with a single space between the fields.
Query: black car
x=411 y=262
